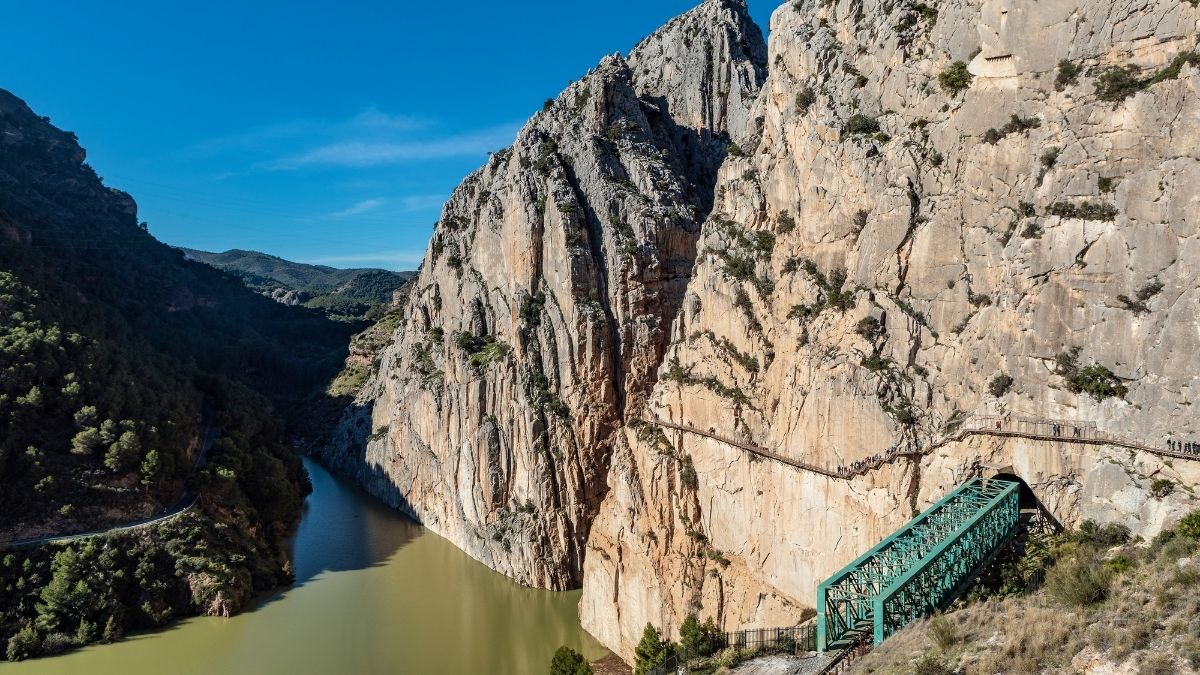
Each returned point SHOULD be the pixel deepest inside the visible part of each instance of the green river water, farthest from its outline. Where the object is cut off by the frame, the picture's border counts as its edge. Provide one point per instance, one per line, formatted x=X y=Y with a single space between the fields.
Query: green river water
x=374 y=593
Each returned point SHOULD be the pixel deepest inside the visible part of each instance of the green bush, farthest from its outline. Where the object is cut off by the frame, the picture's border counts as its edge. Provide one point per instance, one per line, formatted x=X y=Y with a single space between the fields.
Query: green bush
x=1085 y=211
x=1161 y=487
x=1068 y=75
x=1189 y=526
x=805 y=100
x=25 y=644
x=700 y=639
x=1016 y=124
x=1117 y=84
x=1095 y=535
x=955 y=78
x=567 y=661
x=1139 y=304
x=860 y=124
x=870 y=328
x=1000 y=385
x=1095 y=380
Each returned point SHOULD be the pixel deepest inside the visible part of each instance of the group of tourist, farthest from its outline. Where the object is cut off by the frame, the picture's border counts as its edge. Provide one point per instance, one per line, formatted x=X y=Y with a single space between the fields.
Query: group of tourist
x=869 y=462
x=1184 y=447
x=1057 y=430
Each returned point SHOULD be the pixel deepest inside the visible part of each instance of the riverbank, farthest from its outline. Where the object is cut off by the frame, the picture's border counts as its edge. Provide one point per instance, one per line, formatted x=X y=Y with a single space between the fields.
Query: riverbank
x=375 y=593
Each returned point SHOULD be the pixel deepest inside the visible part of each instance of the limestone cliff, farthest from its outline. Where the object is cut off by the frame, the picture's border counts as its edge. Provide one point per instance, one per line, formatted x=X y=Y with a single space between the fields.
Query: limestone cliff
x=883 y=254
x=923 y=214
x=541 y=313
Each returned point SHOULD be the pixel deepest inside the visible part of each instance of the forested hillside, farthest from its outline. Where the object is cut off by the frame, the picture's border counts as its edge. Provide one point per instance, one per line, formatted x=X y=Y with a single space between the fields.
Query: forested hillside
x=116 y=354
x=342 y=294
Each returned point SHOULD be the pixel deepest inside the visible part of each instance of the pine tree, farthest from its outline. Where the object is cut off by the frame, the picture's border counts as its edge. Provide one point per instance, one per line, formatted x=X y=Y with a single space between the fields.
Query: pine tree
x=567 y=661
x=652 y=652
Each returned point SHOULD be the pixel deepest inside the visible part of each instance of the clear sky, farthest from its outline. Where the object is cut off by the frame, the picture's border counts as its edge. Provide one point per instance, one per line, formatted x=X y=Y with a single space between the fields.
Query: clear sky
x=326 y=132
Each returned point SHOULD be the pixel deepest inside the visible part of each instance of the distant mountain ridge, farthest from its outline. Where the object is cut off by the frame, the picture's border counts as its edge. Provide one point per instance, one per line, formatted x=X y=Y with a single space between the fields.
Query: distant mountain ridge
x=361 y=293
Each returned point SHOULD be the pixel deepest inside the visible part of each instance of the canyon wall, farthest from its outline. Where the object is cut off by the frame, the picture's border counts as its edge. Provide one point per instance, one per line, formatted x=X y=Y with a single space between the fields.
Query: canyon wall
x=541 y=313
x=882 y=254
x=918 y=217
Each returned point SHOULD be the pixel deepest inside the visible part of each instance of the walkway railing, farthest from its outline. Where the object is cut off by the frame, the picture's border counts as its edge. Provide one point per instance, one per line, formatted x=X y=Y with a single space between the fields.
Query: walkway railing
x=792 y=640
x=1011 y=427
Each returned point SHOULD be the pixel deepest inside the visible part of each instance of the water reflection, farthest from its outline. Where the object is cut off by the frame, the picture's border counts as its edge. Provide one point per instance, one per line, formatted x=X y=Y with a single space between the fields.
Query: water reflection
x=375 y=593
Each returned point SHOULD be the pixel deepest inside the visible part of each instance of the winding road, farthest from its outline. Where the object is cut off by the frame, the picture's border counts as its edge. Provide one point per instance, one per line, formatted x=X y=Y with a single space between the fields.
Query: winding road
x=185 y=504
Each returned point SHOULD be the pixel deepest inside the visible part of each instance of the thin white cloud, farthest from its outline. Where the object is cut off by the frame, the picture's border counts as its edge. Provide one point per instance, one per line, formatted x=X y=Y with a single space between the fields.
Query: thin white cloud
x=358 y=209
x=368 y=153
x=373 y=118
x=422 y=202
x=367 y=121
x=399 y=259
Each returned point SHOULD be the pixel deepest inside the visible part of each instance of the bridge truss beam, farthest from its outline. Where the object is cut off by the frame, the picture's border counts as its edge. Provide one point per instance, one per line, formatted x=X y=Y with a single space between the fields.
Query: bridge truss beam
x=920 y=567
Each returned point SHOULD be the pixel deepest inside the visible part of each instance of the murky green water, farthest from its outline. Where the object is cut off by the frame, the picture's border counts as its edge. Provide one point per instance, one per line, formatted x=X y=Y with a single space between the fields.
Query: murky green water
x=375 y=593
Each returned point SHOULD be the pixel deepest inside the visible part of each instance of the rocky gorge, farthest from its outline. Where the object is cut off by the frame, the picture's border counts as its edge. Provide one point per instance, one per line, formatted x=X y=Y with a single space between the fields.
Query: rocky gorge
x=892 y=219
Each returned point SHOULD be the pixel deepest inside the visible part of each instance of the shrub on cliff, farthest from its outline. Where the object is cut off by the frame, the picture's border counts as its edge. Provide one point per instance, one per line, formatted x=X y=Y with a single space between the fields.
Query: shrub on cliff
x=1000 y=385
x=567 y=661
x=1095 y=380
x=955 y=78
x=1068 y=75
x=859 y=124
x=1117 y=84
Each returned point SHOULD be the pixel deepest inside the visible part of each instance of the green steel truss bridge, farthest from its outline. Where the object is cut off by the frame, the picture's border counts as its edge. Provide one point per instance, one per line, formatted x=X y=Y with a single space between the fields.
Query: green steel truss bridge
x=920 y=568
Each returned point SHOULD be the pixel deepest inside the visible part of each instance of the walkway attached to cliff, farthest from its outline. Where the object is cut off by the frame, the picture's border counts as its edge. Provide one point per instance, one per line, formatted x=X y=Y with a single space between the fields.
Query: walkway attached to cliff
x=186 y=503
x=1062 y=431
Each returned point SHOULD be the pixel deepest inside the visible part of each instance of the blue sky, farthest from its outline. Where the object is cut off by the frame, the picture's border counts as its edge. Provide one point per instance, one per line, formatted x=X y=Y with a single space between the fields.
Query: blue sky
x=317 y=131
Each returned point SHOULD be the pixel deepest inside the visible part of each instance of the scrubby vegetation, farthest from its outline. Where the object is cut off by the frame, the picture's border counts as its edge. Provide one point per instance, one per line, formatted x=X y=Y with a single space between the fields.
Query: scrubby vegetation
x=1138 y=303
x=1000 y=385
x=1131 y=602
x=1015 y=125
x=955 y=78
x=805 y=100
x=832 y=292
x=1095 y=380
x=861 y=125
x=1115 y=84
x=743 y=250
x=1068 y=75
x=481 y=351
x=1085 y=211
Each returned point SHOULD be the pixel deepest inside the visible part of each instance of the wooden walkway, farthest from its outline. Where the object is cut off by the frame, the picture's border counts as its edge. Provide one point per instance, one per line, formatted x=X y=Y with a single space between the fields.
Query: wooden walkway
x=1084 y=433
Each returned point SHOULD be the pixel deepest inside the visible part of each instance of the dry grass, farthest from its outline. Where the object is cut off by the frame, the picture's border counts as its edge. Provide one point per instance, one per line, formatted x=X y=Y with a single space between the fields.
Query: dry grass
x=1149 y=621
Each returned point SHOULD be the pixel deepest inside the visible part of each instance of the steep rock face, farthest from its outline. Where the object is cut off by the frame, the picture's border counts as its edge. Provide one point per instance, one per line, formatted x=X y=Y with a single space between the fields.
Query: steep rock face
x=880 y=252
x=541 y=313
